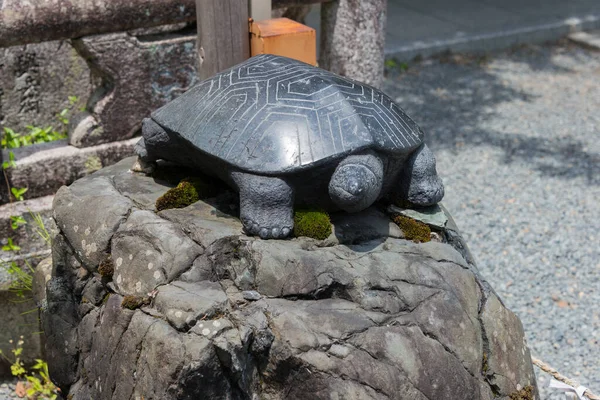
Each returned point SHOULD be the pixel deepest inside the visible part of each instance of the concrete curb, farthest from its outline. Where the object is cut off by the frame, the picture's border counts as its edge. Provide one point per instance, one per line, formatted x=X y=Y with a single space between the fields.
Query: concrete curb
x=494 y=40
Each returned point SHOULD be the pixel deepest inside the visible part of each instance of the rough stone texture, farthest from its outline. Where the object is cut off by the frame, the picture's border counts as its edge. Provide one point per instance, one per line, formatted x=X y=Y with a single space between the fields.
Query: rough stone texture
x=39 y=20
x=235 y=317
x=149 y=245
x=353 y=39
x=136 y=71
x=89 y=213
x=41 y=276
x=36 y=81
x=134 y=75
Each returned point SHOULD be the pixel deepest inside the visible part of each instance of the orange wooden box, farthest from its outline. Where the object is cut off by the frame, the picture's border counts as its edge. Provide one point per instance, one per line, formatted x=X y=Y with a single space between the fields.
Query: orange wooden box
x=284 y=37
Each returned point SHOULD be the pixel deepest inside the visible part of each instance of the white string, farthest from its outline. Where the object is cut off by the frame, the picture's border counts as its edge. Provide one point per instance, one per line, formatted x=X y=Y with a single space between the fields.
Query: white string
x=570 y=391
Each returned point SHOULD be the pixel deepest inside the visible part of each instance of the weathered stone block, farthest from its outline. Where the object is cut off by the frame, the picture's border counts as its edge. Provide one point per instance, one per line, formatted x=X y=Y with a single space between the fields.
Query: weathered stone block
x=20 y=320
x=236 y=317
x=45 y=167
x=133 y=76
x=127 y=75
x=36 y=81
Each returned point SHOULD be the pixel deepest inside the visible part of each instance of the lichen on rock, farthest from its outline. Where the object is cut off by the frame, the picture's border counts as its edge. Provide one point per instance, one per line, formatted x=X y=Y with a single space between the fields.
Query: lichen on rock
x=312 y=223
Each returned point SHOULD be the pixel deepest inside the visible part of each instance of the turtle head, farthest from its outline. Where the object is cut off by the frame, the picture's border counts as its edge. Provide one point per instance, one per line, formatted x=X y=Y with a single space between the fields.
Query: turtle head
x=356 y=182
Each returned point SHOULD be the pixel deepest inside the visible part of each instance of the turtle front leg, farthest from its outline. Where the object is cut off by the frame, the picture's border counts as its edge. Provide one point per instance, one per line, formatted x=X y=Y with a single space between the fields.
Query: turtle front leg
x=419 y=182
x=266 y=205
x=153 y=137
x=142 y=162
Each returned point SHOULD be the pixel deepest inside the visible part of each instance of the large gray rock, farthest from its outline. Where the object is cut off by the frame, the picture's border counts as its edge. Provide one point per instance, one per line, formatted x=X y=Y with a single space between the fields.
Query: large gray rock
x=220 y=315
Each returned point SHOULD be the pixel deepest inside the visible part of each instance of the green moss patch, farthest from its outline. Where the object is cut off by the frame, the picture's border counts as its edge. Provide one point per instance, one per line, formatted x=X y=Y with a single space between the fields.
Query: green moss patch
x=312 y=223
x=413 y=230
x=187 y=192
x=106 y=268
x=133 y=302
x=527 y=393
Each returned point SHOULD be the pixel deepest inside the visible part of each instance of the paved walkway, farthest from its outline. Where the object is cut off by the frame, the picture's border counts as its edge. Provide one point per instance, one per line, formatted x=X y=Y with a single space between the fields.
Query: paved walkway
x=429 y=26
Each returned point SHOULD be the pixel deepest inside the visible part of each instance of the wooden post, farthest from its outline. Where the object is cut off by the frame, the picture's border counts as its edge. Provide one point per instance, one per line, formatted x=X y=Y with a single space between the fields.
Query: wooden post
x=223 y=36
x=353 y=39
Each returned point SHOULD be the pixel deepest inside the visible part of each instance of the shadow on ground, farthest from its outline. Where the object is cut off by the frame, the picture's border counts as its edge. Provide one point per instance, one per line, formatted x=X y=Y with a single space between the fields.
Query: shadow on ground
x=455 y=99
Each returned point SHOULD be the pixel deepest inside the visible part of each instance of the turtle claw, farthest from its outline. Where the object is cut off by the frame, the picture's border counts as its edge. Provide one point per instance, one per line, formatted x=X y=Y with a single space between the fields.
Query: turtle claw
x=252 y=228
x=146 y=167
x=264 y=233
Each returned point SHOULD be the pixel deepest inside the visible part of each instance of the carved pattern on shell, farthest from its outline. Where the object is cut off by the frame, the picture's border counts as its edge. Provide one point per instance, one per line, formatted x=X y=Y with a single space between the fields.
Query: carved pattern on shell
x=272 y=114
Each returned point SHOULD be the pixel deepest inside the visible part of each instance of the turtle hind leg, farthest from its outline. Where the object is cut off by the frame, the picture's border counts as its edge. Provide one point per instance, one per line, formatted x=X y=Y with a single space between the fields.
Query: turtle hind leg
x=266 y=205
x=419 y=181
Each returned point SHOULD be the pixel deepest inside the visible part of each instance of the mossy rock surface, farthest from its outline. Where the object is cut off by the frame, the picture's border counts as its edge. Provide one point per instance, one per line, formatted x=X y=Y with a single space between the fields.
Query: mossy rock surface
x=312 y=223
x=187 y=192
x=106 y=268
x=527 y=393
x=413 y=230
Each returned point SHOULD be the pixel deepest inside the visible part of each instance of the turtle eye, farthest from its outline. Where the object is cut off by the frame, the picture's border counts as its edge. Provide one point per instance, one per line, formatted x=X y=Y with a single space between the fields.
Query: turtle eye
x=354 y=187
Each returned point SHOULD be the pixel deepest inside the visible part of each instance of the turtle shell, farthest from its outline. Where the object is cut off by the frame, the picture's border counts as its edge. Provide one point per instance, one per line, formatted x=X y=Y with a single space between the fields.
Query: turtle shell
x=272 y=115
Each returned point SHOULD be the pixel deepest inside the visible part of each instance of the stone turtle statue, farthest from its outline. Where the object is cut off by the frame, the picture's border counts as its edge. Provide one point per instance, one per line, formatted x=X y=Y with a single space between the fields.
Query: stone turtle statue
x=285 y=133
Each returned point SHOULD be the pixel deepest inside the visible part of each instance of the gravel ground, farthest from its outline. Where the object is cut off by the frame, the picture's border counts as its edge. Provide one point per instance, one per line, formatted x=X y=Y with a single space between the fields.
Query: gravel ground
x=517 y=139
x=7 y=390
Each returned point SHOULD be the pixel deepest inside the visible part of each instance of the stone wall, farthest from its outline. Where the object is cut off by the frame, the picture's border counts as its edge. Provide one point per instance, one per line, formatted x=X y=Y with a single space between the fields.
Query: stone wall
x=118 y=80
x=133 y=75
x=36 y=81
